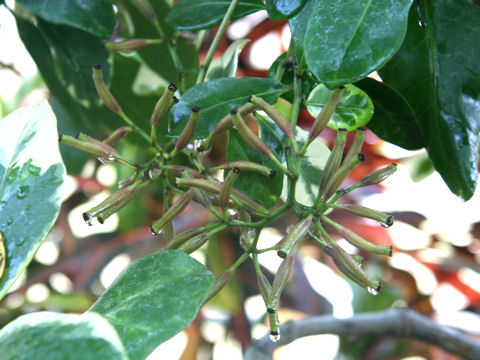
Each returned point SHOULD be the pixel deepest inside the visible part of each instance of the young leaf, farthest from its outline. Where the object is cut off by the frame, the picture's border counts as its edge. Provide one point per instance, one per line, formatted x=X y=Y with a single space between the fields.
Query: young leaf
x=31 y=176
x=201 y=14
x=347 y=40
x=354 y=110
x=283 y=9
x=437 y=72
x=50 y=335
x=218 y=97
x=153 y=299
x=93 y=16
x=393 y=119
x=226 y=65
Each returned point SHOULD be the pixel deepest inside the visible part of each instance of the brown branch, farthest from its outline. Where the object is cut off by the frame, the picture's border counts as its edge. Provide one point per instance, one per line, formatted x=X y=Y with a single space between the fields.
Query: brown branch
x=396 y=322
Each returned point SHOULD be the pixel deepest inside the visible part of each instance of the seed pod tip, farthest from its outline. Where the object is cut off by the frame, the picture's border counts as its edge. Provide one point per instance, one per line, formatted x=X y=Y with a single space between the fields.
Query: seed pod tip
x=233 y=112
x=272 y=173
x=271 y=310
x=196 y=109
x=97 y=67
x=172 y=87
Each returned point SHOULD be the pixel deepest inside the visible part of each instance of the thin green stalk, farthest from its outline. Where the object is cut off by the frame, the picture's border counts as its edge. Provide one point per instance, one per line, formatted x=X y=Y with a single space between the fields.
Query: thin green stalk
x=216 y=40
x=262 y=223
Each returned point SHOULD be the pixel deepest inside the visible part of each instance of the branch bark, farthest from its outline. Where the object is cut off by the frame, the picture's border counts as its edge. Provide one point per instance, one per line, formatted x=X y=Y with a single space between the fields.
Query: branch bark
x=396 y=322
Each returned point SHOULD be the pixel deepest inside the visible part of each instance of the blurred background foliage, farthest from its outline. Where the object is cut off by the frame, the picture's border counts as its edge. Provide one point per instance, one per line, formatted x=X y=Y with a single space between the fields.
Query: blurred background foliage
x=435 y=268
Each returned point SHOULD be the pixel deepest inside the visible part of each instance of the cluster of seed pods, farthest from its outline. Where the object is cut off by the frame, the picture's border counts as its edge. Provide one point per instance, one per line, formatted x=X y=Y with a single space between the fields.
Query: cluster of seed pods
x=232 y=207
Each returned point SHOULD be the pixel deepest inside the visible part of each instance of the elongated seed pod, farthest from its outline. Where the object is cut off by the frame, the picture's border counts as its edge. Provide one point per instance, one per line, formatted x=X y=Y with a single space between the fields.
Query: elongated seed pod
x=189 y=130
x=130 y=45
x=246 y=166
x=378 y=176
x=95 y=148
x=291 y=240
x=335 y=158
x=163 y=105
x=274 y=114
x=227 y=187
x=172 y=212
x=323 y=118
x=248 y=135
x=117 y=135
x=280 y=279
x=264 y=287
x=356 y=240
x=341 y=174
x=194 y=243
x=103 y=91
x=111 y=204
x=183 y=237
x=356 y=146
x=147 y=10
x=219 y=284
x=384 y=219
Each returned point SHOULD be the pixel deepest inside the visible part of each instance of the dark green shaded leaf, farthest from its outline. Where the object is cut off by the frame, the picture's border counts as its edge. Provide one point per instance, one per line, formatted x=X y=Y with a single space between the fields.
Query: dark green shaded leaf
x=201 y=14
x=437 y=71
x=262 y=189
x=283 y=9
x=347 y=40
x=226 y=65
x=93 y=16
x=31 y=176
x=298 y=27
x=354 y=110
x=218 y=97
x=153 y=299
x=53 y=336
x=393 y=119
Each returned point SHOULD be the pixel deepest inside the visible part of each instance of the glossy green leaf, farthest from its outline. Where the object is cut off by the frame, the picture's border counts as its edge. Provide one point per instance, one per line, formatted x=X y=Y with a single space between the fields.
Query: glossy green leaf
x=283 y=9
x=311 y=169
x=31 y=176
x=347 y=40
x=437 y=71
x=226 y=65
x=354 y=110
x=298 y=27
x=153 y=299
x=262 y=189
x=218 y=97
x=54 y=336
x=93 y=16
x=393 y=119
x=201 y=14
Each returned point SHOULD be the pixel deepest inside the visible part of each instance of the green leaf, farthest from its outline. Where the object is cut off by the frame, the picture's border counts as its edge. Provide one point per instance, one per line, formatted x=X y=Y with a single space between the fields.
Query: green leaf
x=54 y=336
x=93 y=16
x=311 y=169
x=298 y=27
x=218 y=97
x=347 y=40
x=354 y=110
x=31 y=176
x=437 y=71
x=226 y=65
x=153 y=299
x=201 y=14
x=393 y=119
x=262 y=189
x=283 y=9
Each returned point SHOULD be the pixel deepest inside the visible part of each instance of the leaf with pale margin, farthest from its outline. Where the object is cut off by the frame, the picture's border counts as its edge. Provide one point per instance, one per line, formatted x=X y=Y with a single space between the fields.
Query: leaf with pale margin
x=347 y=40
x=154 y=299
x=93 y=16
x=226 y=65
x=437 y=71
x=283 y=9
x=218 y=97
x=31 y=177
x=202 y=14
x=354 y=110
x=54 y=336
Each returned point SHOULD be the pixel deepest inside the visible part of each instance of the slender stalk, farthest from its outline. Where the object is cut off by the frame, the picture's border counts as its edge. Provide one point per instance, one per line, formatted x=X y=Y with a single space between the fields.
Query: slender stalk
x=216 y=40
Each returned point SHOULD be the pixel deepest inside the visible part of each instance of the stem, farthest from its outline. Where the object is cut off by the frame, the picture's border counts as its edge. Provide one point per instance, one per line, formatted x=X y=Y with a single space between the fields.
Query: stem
x=140 y=132
x=260 y=224
x=216 y=40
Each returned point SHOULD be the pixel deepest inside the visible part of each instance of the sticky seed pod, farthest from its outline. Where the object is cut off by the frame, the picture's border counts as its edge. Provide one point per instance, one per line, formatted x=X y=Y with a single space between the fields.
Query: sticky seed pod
x=130 y=45
x=378 y=175
x=172 y=212
x=323 y=118
x=219 y=284
x=384 y=219
x=117 y=135
x=274 y=114
x=341 y=174
x=189 y=130
x=103 y=91
x=183 y=237
x=335 y=158
x=248 y=135
x=194 y=243
x=356 y=145
x=291 y=240
x=227 y=187
x=281 y=277
x=163 y=105
x=247 y=166
x=97 y=149
x=147 y=10
x=265 y=287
